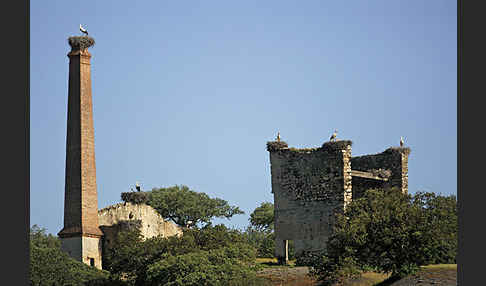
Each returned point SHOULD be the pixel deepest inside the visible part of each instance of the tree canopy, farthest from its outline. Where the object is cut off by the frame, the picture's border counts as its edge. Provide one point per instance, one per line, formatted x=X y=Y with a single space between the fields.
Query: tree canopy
x=51 y=266
x=262 y=218
x=188 y=208
x=391 y=232
x=212 y=255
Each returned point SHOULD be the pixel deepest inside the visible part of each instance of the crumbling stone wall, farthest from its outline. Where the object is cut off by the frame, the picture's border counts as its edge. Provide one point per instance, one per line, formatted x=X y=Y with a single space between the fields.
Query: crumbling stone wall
x=309 y=186
x=394 y=160
x=360 y=185
x=118 y=217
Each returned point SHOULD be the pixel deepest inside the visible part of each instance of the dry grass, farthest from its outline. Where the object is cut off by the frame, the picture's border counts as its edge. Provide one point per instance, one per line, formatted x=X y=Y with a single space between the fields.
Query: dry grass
x=440 y=266
x=437 y=274
x=273 y=262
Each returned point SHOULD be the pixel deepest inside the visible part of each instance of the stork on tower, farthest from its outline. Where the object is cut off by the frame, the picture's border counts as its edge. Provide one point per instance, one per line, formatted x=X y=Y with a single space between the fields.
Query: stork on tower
x=278 y=136
x=137 y=186
x=401 y=141
x=83 y=30
x=333 y=136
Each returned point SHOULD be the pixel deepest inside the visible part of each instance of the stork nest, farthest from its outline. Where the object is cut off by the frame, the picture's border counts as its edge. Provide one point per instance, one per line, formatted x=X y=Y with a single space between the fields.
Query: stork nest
x=276 y=145
x=404 y=150
x=135 y=197
x=337 y=145
x=80 y=42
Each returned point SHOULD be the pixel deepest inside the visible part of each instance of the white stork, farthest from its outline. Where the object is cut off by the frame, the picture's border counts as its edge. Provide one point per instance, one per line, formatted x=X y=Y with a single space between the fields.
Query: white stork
x=137 y=186
x=278 y=136
x=401 y=141
x=333 y=136
x=83 y=30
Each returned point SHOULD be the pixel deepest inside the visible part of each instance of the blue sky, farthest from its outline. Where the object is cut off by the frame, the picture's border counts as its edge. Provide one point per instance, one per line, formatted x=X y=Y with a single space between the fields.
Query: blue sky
x=189 y=92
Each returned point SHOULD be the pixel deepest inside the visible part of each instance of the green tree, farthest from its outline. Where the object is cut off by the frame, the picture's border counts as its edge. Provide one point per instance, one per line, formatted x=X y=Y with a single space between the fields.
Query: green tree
x=391 y=232
x=50 y=266
x=39 y=238
x=220 y=266
x=262 y=218
x=263 y=241
x=188 y=208
x=131 y=256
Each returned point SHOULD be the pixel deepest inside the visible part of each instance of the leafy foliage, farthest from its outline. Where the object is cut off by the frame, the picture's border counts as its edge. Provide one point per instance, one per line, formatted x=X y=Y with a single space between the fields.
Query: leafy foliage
x=39 y=238
x=260 y=232
x=51 y=266
x=188 y=208
x=263 y=241
x=219 y=266
x=391 y=232
x=262 y=218
x=145 y=262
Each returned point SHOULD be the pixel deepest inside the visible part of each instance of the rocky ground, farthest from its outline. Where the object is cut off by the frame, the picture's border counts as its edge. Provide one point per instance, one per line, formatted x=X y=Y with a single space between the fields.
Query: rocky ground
x=444 y=275
x=295 y=276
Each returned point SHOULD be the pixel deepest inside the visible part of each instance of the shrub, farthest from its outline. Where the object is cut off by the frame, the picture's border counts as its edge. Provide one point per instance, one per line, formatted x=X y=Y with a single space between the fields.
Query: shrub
x=39 y=238
x=263 y=241
x=51 y=266
x=309 y=258
x=214 y=267
x=391 y=232
x=131 y=257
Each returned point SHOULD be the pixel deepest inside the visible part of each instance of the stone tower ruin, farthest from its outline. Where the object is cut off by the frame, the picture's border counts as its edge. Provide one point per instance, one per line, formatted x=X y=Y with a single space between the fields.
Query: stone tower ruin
x=81 y=235
x=311 y=185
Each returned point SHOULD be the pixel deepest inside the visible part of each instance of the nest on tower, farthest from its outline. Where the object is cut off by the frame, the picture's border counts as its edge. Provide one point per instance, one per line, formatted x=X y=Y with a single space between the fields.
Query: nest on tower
x=80 y=42
x=276 y=145
x=403 y=150
x=337 y=145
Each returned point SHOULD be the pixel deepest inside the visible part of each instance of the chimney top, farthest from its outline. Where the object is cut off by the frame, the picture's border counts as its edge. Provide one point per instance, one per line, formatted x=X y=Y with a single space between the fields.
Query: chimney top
x=80 y=42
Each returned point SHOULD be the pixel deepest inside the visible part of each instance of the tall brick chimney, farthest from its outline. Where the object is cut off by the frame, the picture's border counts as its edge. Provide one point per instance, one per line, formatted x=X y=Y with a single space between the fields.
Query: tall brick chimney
x=81 y=235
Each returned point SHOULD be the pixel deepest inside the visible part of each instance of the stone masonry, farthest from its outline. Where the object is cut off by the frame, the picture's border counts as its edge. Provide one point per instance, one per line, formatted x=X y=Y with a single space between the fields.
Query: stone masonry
x=112 y=220
x=81 y=235
x=310 y=186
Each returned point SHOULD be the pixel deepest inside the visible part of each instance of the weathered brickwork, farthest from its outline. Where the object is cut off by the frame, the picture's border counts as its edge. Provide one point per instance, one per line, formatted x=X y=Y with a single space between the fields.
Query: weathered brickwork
x=81 y=233
x=310 y=186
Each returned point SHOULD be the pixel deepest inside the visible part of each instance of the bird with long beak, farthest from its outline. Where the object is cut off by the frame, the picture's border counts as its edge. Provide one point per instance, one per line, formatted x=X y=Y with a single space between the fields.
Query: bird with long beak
x=83 y=30
x=278 y=136
x=333 y=136
x=401 y=141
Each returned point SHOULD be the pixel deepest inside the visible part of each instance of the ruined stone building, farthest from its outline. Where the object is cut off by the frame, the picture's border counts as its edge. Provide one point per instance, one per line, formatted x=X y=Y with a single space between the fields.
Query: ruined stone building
x=311 y=185
x=115 y=218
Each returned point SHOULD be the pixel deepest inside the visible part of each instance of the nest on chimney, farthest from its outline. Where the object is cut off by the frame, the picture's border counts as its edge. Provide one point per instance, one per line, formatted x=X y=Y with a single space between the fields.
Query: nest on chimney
x=80 y=42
